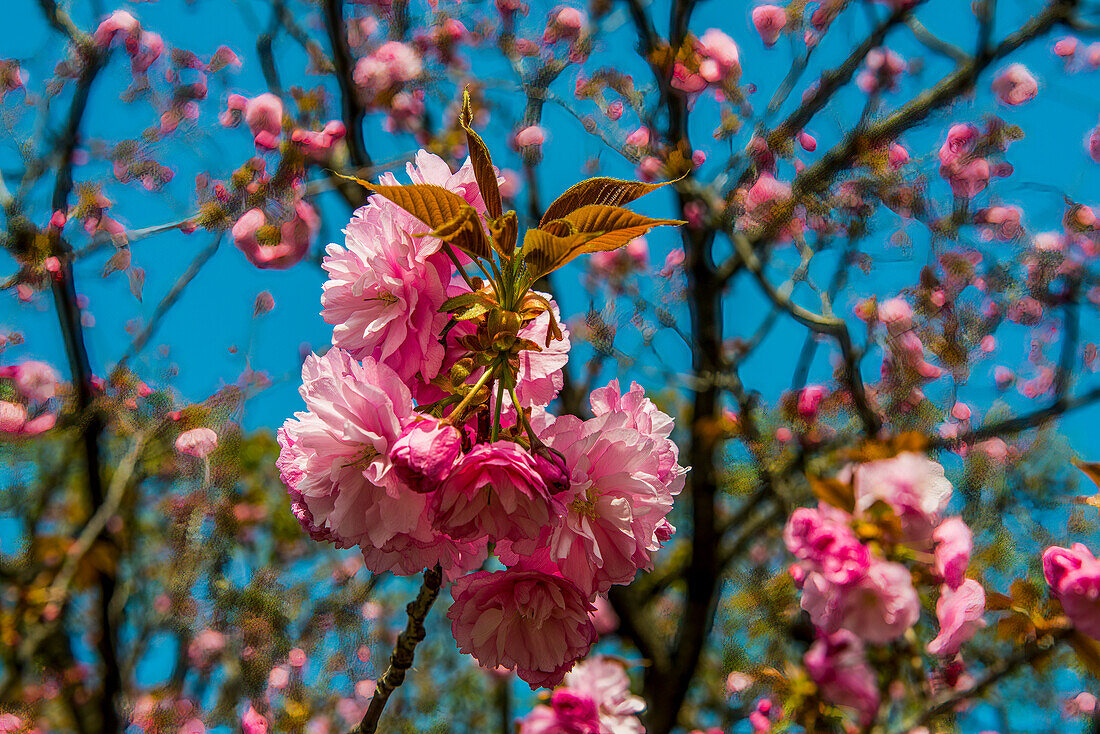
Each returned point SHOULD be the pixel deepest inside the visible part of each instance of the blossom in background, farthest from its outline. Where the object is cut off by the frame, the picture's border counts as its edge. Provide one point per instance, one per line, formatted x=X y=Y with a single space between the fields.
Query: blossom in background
x=198 y=442
x=280 y=245
x=594 y=698
x=959 y=611
x=838 y=666
x=1074 y=577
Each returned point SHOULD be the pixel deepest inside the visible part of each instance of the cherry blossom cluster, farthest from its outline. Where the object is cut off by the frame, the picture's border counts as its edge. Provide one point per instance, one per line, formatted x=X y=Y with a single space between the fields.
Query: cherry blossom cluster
x=406 y=450
x=855 y=586
x=594 y=698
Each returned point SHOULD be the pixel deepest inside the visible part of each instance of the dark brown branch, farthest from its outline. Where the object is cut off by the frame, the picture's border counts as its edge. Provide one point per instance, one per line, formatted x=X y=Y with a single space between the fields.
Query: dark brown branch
x=353 y=110
x=402 y=657
x=1027 y=654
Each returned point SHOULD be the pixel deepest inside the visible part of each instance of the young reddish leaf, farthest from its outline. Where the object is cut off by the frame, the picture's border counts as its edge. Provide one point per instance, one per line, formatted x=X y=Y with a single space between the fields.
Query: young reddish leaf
x=1088 y=652
x=616 y=226
x=465 y=232
x=119 y=261
x=1091 y=469
x=505 y=232
x=137 y=281
x=447 y=213
x=484 y=171
x=544 y=253
x=833 y=492
x=602 y=191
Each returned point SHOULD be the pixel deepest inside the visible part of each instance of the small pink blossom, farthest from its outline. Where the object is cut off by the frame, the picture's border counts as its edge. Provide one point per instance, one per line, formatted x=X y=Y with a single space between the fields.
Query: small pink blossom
x=809 y=401
x=390 y=65
x=838 y=667
x=769 y=21
x=198 y=442
x=954 y=542
x=722 y=61
x=533 y=622
x=959 y=612
x=913 y=485
x=425 y=452
x=35 y=381
x=276 y=247
x=1015 y=85
x=253 y=722
x=533 y=135
x=822 y=538
x=881 y=71
x=605 y=681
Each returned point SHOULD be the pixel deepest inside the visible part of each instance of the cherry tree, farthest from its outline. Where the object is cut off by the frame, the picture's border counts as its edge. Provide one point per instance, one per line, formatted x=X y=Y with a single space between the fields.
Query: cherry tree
x=696 y=366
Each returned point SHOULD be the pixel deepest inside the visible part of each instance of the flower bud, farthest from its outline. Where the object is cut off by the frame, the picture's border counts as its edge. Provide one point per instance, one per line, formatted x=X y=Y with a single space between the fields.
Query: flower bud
x=424 y=454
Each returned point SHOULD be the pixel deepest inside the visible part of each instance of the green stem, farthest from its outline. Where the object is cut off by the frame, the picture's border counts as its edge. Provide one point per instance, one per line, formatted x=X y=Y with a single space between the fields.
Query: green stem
x=482 y=381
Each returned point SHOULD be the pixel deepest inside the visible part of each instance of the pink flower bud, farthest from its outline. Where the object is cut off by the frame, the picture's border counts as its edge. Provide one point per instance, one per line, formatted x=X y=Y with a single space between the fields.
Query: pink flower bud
x=533 y=135
x=769 y=21
x=425 y=453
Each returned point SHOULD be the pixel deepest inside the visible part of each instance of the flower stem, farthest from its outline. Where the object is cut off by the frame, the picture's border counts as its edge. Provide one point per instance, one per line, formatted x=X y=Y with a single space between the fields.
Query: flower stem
x=402 y=657
x=500 y=404
x=481 y=382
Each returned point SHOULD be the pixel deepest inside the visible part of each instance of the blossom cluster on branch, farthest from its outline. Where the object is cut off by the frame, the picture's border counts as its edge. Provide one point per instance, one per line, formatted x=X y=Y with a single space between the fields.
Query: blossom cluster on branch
x=426 y=441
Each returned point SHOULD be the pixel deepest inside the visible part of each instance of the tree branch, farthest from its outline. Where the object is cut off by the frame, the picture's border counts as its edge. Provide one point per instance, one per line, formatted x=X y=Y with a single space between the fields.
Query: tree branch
x=402 y=657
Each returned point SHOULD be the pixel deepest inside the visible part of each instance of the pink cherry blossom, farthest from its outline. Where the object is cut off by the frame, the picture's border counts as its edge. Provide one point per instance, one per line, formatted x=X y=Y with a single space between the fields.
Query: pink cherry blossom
x=496 y=491
x=530 y=621
x=253 y=722
x=1015 y=85
x=383 y=295
x=953 y=541
x=913 y=485
x=36 y=381
x=1074 y=577
x=540 y=376
x=616 y=501
x=263 y=114
x=838 y=666
x=425 y=452
x=391 y=64
x=769 y=21
x=1092 y=144
x=647 y=418
x=959 y=612
x=881 y=71
x=822 y=538
x=198 y=442
x=809 y=401
x=722 y=61
x=335 y=455
x=409 y=553
x=386 y=284
x=280 y=246
x=605 y=681
x=878 y=608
